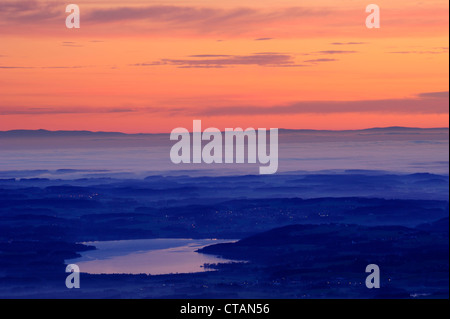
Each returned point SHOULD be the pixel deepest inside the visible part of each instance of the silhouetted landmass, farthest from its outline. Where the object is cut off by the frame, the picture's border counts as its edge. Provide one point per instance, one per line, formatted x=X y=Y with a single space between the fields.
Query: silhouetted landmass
x=31 y=138
x=413 y=261
x=302 y=235
x=46 y=133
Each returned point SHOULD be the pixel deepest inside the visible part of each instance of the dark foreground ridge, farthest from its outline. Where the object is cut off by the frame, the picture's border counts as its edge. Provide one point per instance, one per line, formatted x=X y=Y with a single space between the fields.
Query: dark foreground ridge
x=312 y=247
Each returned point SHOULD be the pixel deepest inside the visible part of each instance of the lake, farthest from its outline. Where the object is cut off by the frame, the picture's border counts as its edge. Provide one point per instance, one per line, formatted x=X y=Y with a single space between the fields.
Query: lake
x=147 y=256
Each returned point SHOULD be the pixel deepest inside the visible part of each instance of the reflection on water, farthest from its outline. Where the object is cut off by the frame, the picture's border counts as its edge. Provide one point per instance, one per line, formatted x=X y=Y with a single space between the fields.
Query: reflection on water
x=147 y=256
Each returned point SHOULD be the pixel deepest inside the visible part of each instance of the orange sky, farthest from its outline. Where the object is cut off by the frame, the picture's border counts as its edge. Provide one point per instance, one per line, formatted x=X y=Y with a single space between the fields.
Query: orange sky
x=151 y=66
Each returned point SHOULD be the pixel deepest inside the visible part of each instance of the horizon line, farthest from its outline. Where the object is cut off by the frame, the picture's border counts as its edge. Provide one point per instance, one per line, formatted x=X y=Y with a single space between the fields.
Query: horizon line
x=280 y=129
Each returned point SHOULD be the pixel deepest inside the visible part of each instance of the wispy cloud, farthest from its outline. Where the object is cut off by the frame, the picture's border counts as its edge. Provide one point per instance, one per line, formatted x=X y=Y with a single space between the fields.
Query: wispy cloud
x=60 y=110
x=335 y=52
x=120 y=17
x=437 y=95
x=71 y=44
x=210 y=56
x=421 y=52
x=348 y=43
x=264 y=59
x=208 y=15
x=268 y=59
x=12 y=67
x=320 y=60
x=30 y=11
x=15 y=67
x=423 y=103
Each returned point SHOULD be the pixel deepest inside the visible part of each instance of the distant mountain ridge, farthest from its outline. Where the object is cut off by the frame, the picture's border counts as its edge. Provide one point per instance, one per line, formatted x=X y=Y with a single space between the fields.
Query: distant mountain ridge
x=75 y=133
x=43 y=133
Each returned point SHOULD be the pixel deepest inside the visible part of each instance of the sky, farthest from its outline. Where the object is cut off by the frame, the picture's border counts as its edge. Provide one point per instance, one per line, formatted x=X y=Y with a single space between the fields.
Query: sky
x=151 y=66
